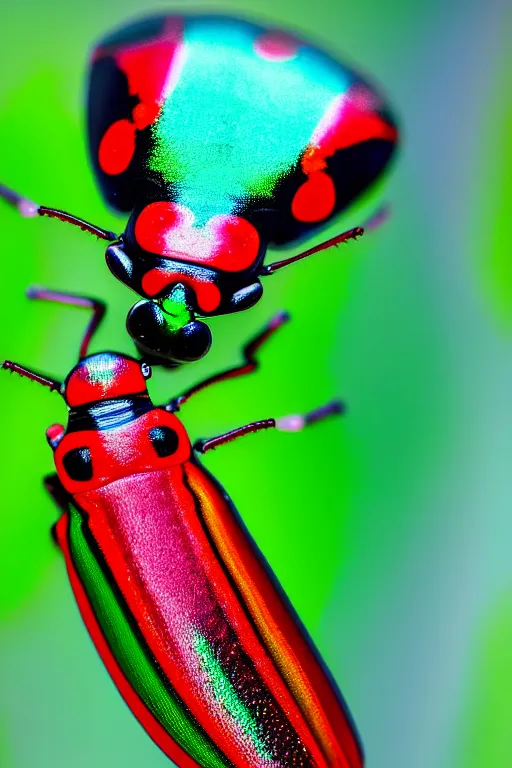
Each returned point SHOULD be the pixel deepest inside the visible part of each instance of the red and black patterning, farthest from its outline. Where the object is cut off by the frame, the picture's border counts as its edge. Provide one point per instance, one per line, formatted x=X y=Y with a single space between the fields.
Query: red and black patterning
x=180 y=604
x=219 y=138
x=182 y=607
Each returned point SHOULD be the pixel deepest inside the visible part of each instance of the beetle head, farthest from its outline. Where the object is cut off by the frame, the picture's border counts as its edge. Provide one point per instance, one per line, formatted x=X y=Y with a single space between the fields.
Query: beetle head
x=105 y=376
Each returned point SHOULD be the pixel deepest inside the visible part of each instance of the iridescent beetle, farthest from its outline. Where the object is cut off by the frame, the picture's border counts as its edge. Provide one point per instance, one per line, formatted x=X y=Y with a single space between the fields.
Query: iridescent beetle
x=181 y=605
x=220 y=138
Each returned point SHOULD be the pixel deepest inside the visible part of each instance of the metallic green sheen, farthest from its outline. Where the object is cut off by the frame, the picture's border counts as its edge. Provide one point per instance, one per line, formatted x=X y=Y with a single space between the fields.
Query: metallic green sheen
x=132 y=657
x=222 y=83
x=227 y=696
x=177 y=313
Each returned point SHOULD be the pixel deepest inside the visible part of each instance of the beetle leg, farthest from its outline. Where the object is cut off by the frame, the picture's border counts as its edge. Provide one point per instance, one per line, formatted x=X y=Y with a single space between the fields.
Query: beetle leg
x=350 y=234
x=29 y=210
x=292 y=423
x=74 y=300
x=249 y=365
x=98 y=311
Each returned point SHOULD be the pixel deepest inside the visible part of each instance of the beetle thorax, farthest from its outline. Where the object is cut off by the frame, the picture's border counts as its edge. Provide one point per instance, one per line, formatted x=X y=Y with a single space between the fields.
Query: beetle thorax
x=97 y=450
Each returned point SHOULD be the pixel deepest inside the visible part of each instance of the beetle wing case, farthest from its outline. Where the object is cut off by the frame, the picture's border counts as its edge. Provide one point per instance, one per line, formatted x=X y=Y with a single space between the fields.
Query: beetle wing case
x=195 y=632
x=223 y=116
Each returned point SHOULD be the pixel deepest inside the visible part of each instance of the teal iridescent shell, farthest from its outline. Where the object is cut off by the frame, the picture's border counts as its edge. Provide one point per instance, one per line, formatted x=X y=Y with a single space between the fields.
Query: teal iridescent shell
x=222 y=117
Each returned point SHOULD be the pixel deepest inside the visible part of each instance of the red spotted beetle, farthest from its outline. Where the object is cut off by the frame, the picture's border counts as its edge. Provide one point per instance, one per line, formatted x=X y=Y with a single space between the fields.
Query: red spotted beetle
x=194 y=629
x=219 y=137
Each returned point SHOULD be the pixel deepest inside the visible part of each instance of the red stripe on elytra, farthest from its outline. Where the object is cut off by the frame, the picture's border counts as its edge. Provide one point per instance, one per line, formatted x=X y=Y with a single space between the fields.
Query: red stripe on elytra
x=201 y=486
x=151 y=620
x=248 y=637
x=132 y=589
x=144 y=716
x=289 y=646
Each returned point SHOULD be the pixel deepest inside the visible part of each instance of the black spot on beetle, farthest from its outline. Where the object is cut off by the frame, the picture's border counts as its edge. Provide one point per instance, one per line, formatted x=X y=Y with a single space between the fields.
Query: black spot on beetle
x=78 y=464
x=165 y=441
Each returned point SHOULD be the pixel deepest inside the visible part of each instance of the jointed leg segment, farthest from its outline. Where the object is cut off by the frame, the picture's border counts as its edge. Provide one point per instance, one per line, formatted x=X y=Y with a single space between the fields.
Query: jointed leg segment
x=250 y=363
x=74 y=300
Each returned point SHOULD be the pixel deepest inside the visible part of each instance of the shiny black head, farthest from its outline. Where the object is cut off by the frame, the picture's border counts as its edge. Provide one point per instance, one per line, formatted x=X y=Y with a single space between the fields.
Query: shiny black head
x=166 y=331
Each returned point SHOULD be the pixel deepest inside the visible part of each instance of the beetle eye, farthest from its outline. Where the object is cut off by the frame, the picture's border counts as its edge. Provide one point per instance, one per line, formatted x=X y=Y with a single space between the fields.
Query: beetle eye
x=164 y=440
x=78 y=464
x=146 y=370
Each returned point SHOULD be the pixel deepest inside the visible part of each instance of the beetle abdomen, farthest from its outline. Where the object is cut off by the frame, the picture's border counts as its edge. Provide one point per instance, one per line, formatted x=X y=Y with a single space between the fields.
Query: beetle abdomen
x=204 y=638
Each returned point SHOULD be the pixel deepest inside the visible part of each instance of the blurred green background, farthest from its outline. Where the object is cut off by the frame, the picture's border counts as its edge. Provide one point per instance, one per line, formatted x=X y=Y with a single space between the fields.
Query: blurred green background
x=390 y=530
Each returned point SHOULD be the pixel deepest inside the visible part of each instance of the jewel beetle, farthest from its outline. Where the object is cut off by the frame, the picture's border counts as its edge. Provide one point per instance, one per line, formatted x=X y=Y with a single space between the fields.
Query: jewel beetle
x=219 y=138
x=191 y=624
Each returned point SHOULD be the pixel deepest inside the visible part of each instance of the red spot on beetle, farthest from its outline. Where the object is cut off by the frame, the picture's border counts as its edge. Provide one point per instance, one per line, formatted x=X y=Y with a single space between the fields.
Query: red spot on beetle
x=152 y=69
x=349 y=119
x=156 y=221
x=276 y=46
x=225 y=242
x=117 y=147
x=144 y=114
x=315 y=199
x=236 y=242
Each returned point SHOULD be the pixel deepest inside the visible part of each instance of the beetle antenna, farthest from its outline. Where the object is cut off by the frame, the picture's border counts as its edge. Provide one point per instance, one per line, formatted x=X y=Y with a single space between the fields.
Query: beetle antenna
x=29 y=210
x=298 y=422
x=295 y=423
x=53 y=385
x=350 y=234
x=74 y=300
